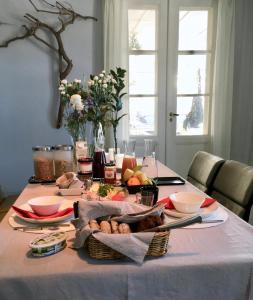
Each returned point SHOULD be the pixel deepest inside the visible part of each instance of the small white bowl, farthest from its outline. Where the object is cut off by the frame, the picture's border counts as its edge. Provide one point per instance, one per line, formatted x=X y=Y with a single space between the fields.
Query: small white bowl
x=187 y=202
x=46 y=205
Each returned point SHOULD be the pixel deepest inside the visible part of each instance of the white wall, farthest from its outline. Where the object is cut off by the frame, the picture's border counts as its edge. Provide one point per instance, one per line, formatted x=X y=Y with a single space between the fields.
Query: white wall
x=28 y=87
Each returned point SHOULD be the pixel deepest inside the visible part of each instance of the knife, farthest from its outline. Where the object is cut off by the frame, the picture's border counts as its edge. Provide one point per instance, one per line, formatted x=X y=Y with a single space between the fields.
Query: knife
x=181 y=223
x=41 y=227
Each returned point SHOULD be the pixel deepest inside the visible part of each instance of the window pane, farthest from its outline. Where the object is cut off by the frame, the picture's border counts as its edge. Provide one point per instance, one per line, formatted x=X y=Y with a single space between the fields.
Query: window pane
x=191 y=74
x=142 y=29
x=142 y=74
x=191 y=115
x=193 y=30
x=142 y=115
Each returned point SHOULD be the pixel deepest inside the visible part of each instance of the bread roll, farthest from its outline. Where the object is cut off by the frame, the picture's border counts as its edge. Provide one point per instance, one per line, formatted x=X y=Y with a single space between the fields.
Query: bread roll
x=124 y=228
x=94 y=225
x=115 y=226
x=149 y=222
x=105 y=227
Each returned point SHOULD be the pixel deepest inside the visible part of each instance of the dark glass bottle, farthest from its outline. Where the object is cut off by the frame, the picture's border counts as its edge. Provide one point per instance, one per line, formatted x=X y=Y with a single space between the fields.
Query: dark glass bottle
x=99 y=158
x=99 y=164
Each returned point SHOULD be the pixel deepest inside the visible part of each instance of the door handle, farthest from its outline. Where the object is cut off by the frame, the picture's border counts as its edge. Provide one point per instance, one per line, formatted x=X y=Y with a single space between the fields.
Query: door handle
x=172 y=115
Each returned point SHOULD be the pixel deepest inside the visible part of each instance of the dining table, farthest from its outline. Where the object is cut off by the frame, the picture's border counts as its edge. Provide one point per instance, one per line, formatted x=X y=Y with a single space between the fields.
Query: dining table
x=201 y=263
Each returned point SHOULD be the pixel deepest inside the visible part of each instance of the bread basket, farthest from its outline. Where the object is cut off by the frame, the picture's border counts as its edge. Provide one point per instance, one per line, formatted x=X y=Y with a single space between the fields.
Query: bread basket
x=98 y=250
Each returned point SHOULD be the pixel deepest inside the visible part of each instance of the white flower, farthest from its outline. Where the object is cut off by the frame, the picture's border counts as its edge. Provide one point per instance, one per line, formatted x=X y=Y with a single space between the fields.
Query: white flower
x=114 y=81
x=61 y=88
x=89 y=83
x=63 y=93
x=101 y=75
x=77 y=81
x=64 y=81
x=95 y=78
x=79 y=106
x=109 y=77
x=76 y=102
x=105 y=85
x=75 y=99
x=104 y=81
x=103 y=71
x=70 y=84
x=100 y=81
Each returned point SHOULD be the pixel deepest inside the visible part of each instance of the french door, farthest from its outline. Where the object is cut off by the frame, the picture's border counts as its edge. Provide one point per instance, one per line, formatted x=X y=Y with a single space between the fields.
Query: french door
x=171 y=45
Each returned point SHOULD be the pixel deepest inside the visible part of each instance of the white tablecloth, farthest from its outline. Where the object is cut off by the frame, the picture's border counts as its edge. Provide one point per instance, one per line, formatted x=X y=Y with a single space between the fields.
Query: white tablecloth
x=211 y=263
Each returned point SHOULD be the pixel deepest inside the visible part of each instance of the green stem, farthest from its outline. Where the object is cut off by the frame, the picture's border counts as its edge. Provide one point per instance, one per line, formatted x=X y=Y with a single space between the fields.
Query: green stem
x=115 y=138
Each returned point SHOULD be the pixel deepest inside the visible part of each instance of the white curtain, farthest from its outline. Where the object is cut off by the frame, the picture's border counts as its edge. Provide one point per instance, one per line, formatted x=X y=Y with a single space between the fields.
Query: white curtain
x=223 y=79
x=116 y=49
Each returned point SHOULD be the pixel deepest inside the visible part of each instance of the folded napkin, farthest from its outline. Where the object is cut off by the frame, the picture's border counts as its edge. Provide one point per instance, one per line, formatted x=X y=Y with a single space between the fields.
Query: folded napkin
x=69 y=180
x=31 y=215
x=169 y=204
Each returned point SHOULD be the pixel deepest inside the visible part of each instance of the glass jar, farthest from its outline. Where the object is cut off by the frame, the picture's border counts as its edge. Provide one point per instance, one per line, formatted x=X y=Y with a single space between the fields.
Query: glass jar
x=110 y=173
x=43 y=163
x=85 y=165
x=63 y=159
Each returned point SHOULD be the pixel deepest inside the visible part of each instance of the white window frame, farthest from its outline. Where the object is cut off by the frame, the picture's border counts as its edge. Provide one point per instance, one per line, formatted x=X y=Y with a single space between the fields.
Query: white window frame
x=161 y=66
x=173 y=39
x=146 y=5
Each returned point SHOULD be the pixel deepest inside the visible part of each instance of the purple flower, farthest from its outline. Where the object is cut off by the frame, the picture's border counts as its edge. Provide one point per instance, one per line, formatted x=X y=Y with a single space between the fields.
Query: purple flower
x=89 y=102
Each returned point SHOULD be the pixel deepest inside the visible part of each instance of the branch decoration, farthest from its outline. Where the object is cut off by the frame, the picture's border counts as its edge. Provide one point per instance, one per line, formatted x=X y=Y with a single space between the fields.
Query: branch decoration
x=66 y=16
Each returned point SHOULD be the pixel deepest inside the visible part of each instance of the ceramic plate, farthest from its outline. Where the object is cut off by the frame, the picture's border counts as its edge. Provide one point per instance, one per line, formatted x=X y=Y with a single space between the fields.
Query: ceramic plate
x=64 y=205
x=205 y=212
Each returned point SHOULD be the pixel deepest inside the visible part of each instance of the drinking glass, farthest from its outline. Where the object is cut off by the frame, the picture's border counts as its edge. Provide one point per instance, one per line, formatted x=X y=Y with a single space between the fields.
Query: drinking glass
x=149 y=147
x=147 y=198
x=149 y=164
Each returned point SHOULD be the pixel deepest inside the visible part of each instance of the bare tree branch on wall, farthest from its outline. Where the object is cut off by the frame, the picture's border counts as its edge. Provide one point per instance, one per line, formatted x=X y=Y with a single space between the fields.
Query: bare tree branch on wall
x=66 y=16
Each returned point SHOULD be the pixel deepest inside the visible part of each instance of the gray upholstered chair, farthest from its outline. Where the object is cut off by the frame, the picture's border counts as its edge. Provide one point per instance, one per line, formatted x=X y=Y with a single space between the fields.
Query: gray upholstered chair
x=203 y=170
x=233 y=187
x=251 y=216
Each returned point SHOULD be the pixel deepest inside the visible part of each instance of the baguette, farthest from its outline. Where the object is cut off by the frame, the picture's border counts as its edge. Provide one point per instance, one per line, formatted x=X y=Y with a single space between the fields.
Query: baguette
x=94 y=225
x=105 y=227
x=115 y=226
x=124 y=228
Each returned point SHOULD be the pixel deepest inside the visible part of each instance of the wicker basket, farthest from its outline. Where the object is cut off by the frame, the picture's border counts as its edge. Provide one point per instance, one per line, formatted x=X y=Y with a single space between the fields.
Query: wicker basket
x=157 y=247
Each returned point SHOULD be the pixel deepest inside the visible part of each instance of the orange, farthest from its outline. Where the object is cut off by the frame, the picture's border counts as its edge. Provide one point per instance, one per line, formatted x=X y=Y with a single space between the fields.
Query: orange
x=133 y=181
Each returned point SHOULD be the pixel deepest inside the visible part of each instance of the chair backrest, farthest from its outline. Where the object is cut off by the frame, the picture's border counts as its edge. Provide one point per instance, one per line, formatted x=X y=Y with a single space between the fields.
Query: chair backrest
x=203 y=170
x=233 y=187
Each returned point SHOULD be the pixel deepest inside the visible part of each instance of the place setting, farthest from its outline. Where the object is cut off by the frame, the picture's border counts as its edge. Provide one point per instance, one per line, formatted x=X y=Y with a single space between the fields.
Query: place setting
x=43 y=214
x=183 y=205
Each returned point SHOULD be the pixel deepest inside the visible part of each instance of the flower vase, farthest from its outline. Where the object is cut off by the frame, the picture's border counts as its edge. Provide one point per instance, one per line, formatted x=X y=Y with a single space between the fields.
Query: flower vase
x=78 y=134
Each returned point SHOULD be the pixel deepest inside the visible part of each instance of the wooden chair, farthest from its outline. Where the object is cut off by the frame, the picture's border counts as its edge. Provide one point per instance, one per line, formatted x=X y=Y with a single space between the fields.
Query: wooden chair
x=203 y=169
x=233 y=187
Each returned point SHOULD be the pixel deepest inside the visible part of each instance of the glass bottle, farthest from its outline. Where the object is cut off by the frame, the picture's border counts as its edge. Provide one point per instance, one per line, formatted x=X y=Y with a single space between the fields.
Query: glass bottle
x=99 y=158
x=129 y=160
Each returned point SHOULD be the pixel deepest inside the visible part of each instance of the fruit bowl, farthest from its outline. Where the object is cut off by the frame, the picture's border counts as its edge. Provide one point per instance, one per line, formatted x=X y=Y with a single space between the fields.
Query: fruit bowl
x=133 y=189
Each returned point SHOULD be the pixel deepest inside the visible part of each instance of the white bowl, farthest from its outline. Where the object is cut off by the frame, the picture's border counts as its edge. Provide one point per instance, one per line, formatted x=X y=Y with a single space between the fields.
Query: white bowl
x=46 y=205
x=187 y=202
